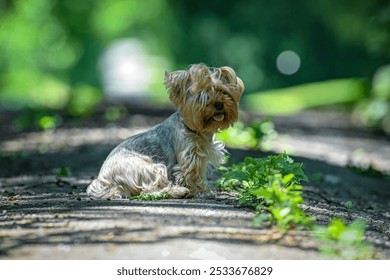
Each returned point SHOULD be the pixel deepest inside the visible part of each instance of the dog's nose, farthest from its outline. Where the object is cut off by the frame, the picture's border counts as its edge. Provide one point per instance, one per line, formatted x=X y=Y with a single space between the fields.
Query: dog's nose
x=218 y=105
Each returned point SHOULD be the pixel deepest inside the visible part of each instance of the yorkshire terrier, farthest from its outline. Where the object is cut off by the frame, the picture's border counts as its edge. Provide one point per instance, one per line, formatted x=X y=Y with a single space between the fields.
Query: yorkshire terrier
x=172 y=157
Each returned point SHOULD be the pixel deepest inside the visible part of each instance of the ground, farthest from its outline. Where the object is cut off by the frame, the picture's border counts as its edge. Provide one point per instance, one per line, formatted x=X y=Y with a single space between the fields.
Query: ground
x=47 y=216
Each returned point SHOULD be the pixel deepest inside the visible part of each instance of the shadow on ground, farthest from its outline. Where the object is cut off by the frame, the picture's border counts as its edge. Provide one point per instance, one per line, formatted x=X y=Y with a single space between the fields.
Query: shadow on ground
x=44 y=216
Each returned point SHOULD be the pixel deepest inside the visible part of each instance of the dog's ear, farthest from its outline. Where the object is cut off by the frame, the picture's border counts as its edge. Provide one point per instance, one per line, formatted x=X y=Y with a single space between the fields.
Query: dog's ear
x=177 y=84
x=240 y=86
x=229 y=78
x=227 y=75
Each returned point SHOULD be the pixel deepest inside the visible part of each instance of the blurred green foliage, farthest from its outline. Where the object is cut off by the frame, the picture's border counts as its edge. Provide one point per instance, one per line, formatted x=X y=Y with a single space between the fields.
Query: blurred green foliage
x=333 y=39
x=343 y=241
x=36 y=119
x=62 y=171
x=256 y=135
x=50 y=50
x=83 y=98
x=296 y=98
x=375 y=110
x=113 y=113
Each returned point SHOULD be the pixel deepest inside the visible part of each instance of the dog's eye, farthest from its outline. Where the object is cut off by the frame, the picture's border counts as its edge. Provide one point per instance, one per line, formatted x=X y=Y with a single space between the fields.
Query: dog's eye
x=225 y=93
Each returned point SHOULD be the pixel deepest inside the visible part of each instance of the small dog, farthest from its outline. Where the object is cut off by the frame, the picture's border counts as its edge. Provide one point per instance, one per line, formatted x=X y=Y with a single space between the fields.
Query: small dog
x=172 y=157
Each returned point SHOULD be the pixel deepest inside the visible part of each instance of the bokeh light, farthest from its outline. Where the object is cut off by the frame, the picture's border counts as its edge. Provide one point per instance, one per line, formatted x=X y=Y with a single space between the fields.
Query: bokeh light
x=288 y=62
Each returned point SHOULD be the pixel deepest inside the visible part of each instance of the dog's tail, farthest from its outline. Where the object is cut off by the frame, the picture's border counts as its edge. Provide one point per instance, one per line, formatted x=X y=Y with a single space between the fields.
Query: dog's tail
x=98 y=190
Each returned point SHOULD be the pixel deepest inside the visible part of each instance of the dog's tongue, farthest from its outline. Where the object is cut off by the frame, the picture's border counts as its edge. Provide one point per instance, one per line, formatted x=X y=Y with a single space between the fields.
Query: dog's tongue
x=219 y=117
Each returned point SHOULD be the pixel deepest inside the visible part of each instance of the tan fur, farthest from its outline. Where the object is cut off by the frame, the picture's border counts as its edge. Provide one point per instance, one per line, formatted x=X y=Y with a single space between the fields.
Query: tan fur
x=195 y=91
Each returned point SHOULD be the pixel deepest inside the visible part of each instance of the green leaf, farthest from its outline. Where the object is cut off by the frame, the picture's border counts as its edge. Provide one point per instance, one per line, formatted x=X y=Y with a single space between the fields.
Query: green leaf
x=335 y=228
x=284 y=212
x=288 y=178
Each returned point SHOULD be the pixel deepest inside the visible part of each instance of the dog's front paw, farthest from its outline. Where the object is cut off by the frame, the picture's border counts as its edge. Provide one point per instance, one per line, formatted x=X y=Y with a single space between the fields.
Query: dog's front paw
x=176 y=191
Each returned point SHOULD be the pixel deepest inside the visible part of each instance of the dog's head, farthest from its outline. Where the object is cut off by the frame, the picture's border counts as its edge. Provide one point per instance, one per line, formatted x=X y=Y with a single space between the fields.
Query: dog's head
x=206 y=98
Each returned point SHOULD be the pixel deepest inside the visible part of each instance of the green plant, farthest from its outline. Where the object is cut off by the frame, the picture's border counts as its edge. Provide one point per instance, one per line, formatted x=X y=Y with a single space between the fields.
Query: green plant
x=37 y=119
x=271 y=187
x=257 y=171
x=150 y=196
x=349 y=205
x=345 y=241
x=48 y=122
x=369 y=171
x=114 y=113
x=280 y=202
x=62 y=171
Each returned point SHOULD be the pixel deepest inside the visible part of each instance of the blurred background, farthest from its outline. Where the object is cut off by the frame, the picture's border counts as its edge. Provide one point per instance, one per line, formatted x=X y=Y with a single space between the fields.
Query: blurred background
x=72 y=55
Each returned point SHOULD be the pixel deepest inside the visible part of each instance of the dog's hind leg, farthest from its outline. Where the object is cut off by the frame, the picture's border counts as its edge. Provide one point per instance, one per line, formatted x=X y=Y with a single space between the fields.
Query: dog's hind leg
x=128 y=173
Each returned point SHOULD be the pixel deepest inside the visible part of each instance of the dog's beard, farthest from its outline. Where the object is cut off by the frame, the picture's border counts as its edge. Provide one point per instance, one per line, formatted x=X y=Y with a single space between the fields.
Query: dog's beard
x=208 y=119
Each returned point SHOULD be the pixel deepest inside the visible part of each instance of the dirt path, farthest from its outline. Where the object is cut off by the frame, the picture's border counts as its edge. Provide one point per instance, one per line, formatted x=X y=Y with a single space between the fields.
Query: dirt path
x=43 y=216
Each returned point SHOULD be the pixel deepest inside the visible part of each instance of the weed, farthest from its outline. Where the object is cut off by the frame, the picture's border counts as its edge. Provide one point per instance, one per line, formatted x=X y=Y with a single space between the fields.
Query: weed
x=114 y=113
x=280 y=202
x=271 y=187
x=369 y=171
x=344 y=241
x=62 y=171
x=42 y=120
x=49 y=122
x=349 y=205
